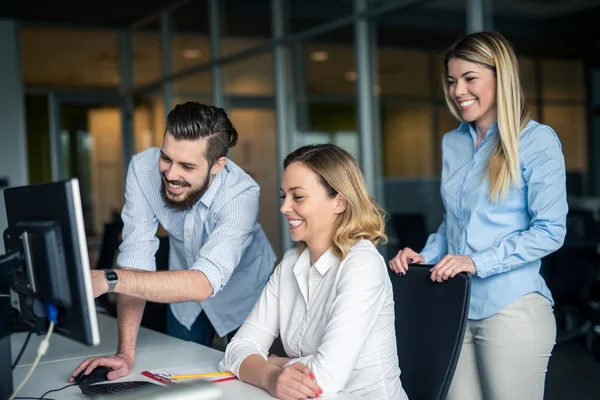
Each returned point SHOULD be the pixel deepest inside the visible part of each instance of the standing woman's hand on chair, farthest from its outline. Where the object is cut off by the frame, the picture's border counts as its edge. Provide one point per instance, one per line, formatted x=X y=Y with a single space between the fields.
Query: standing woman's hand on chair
x=399 y=264
x=451 y=265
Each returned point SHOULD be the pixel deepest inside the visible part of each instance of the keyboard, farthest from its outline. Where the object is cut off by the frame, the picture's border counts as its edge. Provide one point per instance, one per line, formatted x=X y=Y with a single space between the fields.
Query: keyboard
x=113 y=388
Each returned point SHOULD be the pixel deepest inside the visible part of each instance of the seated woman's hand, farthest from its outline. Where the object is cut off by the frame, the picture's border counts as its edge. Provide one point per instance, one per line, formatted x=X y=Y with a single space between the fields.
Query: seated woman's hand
x=296 y=381
x=279 y=361
x=399 y=264
x=451 y=265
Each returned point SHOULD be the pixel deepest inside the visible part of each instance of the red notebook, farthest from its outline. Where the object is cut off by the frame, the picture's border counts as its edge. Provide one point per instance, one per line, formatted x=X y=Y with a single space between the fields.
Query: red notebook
x=166 y=375
x=171 y=382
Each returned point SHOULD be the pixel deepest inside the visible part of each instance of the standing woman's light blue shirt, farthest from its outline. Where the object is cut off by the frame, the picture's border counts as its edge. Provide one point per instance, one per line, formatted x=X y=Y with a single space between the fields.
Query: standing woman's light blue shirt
x=507 y=239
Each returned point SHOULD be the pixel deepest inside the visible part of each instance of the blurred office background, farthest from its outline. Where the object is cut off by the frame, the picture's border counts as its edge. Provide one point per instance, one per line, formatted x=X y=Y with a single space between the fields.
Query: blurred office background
x=84 y=86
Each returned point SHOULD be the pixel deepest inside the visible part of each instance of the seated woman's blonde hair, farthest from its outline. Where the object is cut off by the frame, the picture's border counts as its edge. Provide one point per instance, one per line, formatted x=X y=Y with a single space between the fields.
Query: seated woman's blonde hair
x=338 y=172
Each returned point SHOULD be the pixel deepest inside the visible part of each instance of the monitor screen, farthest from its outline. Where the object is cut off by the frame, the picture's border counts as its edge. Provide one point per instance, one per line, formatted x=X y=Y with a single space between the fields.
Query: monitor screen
x=45 y=225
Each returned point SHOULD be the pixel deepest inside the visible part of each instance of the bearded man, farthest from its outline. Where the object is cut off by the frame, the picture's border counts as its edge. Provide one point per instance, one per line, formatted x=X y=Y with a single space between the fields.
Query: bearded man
x=219 y=256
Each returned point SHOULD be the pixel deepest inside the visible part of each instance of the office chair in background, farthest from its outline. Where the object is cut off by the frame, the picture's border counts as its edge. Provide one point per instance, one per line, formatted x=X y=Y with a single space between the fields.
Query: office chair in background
x=155 y=314
x=571 y=274
x=411 y=230
x=431 y=319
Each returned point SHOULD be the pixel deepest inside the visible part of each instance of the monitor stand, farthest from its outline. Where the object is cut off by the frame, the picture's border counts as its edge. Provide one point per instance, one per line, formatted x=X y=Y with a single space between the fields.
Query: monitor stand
x=11 y=266
x=8 y=263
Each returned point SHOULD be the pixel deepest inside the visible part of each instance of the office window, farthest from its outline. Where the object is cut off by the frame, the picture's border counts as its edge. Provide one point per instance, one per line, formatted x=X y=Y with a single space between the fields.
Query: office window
x=256 y=153
x=407 y=140
x=195 y=87
x=38 y=138
x=252 y=76
x=146 y=55
x=190 y=44
x=527 y=69
x=149 y=124
x=237 y=33
x=563 y=80
x=333 y=123
x=67 y=58
x=405 y=72
x=330 y=68
x=570 y=124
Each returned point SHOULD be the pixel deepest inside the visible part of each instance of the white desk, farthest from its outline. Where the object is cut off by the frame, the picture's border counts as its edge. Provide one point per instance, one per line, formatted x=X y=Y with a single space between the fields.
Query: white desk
x=62 y=348
x=158 y=351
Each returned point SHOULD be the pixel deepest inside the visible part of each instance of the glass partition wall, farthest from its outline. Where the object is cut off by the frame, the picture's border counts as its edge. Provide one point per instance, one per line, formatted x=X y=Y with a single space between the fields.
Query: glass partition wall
x=363 y=74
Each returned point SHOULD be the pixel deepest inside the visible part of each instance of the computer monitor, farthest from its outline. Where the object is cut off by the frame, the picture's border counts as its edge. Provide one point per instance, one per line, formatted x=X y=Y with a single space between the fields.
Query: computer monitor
x=46 y=261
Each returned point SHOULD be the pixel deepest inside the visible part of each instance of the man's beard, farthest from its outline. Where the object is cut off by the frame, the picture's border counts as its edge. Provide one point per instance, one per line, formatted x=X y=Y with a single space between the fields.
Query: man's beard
x=190 y=198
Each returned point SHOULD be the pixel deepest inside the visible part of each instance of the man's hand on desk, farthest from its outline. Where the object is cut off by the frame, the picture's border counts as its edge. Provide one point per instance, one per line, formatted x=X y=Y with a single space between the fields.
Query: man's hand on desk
x=119 y=364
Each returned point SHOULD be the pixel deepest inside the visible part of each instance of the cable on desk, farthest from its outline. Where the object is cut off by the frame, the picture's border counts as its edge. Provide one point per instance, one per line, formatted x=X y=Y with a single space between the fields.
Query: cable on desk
x=32 y=398
x=51 y=312
x=56 y=390
x=22 y=350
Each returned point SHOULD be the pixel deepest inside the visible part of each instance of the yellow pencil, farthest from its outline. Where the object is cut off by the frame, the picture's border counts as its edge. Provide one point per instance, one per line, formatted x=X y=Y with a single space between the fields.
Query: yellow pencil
x=207 y=375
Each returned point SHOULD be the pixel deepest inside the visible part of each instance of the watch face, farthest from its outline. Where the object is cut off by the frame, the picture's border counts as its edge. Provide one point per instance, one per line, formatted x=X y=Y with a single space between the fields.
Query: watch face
x=111 y=275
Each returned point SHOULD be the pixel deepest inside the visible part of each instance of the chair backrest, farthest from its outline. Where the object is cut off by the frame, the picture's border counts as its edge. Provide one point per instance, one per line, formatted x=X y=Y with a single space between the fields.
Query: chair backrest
x=431 y=319
x=411 y=230
x=110 y=242
x=155 y=314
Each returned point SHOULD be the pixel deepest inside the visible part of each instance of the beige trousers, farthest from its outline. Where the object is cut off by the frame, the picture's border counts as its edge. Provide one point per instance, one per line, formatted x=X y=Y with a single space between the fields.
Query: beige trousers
x=505 y=356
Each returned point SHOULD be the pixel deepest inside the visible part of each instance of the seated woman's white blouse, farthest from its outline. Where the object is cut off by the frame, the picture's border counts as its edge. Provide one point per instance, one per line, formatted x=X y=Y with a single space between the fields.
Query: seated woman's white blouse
x=336 y=317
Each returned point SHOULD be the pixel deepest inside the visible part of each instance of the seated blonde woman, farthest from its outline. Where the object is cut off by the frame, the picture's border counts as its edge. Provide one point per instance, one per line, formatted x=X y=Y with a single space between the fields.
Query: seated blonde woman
x=330 y=300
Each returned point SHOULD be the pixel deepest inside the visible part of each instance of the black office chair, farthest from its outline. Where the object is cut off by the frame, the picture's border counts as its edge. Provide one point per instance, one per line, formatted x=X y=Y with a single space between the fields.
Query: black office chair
x=411 y=230
x=111 y=239
x=570 y=274
x=431 y=319
x=155 y=314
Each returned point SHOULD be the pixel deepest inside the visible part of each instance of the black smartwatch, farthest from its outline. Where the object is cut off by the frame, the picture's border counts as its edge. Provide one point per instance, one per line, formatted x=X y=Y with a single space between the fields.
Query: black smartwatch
x=111 y=278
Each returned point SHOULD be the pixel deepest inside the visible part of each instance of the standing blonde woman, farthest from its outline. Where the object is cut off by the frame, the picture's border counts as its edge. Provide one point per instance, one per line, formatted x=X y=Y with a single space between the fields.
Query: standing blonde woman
x=503 y=187
x=330 y=300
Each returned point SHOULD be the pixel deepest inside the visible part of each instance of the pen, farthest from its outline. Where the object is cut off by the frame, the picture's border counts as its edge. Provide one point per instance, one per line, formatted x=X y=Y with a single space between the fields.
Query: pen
x=207 y=375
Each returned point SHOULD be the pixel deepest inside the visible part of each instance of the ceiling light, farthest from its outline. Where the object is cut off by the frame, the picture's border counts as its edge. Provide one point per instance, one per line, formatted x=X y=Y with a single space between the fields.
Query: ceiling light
x=192 y=54
x=350 y=76
x=319 y=56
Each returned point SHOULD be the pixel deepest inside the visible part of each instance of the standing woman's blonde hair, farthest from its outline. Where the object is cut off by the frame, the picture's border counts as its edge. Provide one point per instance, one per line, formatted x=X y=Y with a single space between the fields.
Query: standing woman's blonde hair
x=338 y=172
x=491 y=50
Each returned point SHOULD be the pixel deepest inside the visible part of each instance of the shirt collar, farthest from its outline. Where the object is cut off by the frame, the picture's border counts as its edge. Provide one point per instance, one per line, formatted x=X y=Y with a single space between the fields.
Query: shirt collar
x=323 y=264
x=326 y=261
x=464 y=127
x=469 y=127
